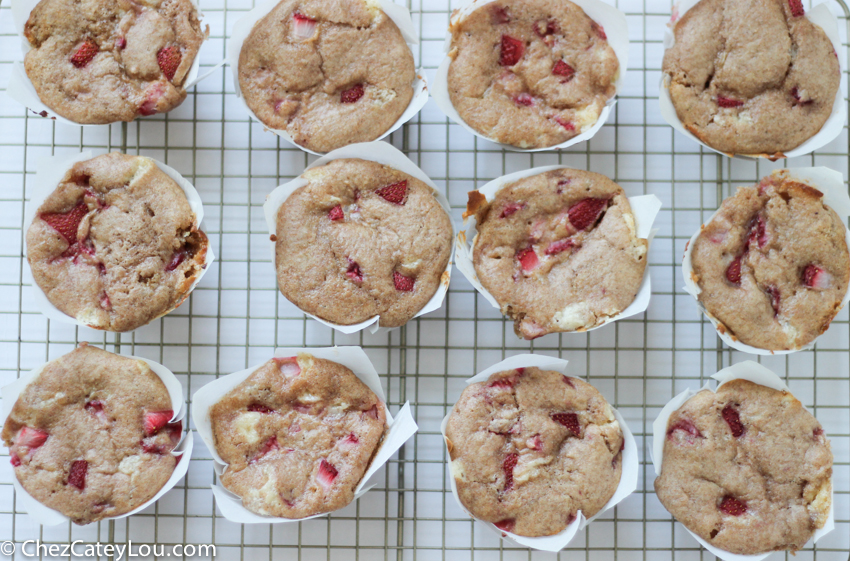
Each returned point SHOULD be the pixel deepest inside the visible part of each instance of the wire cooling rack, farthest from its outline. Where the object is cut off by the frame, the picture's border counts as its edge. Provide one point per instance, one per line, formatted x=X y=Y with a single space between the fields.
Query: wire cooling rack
x=236 y=317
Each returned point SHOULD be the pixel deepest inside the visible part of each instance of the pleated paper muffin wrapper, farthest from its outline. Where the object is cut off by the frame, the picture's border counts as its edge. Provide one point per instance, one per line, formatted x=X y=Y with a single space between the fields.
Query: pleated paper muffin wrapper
x=46 y=516
x=644 y=209
x=400 y=16
x=22 y=90
x=819 y=15
x=825 y=180
x=399 y=429
x=747 y=370
x=385 y=154
x=628 y=477
x=49 y=174
x=612 y=20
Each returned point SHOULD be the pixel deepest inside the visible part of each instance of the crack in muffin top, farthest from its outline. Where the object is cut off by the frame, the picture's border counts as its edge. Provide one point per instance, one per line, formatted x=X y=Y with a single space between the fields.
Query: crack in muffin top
x=773 y=264
x=751 y=76
x=98 y=62
x=747 y=469
x=530 y=73
x=361 y=239
x=328 y=72
x=529 y=448
x=91 y=435
x=558 y=251
x=116 y=245
x=298 y=434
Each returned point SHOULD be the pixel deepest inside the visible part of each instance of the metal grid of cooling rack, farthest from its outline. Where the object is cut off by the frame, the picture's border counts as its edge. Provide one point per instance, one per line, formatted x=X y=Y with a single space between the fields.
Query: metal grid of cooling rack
x=236 y=317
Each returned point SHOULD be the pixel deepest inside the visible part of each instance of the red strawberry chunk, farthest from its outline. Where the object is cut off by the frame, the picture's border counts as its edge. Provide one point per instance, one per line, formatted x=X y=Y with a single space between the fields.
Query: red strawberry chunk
x=733 y=271
x=66 y=223
x=31 y=438
x=506 y=525
x=728 y=102
x=815 y=277
x=169 y=59
x=95 y=407
x=503 y=383
x=352 y=94
x=524 y=99
x=326 y=474
x=733 y=419
x=155 y=420
x=545 y=27
x=598 y=30
x=528 y=259
x=394 y=193
x=500 y=15
x=569 y=420
x=259 y=408
x=758 y=232
x=773 y=293
x=269 y=445
x=336 y=213
x=353 y=272
x=586 y=212
x=77 y=475
x=352 y=438
x=511 y=51
x=508 y=466
x=176 y=259
x=120 y=42
x=796 y=8
x=569 y=125
x=15 y=460
x=732 y=506
x=303 y=27
x=403 y=283
x=563 y=69
x=560 y=246
x=288 y=366
x=84 y=53
x=686 y=426
x=535 y=442
x=511 y=209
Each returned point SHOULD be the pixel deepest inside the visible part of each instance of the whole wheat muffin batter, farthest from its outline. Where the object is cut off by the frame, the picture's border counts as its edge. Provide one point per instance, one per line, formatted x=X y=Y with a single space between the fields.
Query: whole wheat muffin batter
x=751 y=76
x=558 y=251
x=773 y=264
x=328 y=72
x=116 y=245
x=298 y=435
x=530 y=448
x=530 y=73
x=747 y=469
x=91 y=436
x=361 y=239
x=97 y=61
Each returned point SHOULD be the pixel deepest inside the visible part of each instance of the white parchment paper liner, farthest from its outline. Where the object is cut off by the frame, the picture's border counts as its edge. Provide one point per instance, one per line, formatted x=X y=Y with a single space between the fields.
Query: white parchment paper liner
x=385 y=154
x=825 y=180
x=50 y=172
x=399 y=14
x=399 y=430
x=628 y=478
x=644 y=208
x=747 y=370
x=819 y=15
x=49 y=517
x=612 y=20
x=20 y=87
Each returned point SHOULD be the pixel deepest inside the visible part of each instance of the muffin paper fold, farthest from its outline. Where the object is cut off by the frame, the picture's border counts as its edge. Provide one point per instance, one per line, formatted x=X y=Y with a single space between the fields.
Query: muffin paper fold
x=628 y=478
x=399 y=429
x=616 y=28
x=825 y=180
x=819 y=15
x=46 y=516
x=396 y=12
x=50 y=172
x=22 y=90
x=385 y=154
x=747 y=370
x=644 y=208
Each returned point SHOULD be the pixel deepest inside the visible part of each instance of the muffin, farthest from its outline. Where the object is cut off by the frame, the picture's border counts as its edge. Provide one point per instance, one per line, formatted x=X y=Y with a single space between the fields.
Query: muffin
x=298 y=434
x=91 y=436
x=751 y=76
x=747 y=469
x=98 y=62
x=117 y=244
x=328 y=72
x=361 y=239
x=530 y=73
x=773 y=264
x=558 y=251
x=530 y=448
